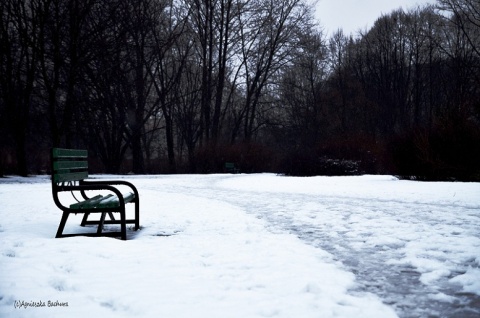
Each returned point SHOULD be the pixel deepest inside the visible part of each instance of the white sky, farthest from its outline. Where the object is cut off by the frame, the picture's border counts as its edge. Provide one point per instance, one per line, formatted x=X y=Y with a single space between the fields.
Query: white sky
x=354 y=15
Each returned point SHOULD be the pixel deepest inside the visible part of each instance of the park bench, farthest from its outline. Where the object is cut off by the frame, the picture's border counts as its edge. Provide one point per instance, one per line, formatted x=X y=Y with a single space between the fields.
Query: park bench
x=98 y=197
x=230 y=168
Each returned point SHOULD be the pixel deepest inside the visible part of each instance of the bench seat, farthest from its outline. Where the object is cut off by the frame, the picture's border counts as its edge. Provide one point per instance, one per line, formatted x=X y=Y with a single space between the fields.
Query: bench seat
x=102 y=202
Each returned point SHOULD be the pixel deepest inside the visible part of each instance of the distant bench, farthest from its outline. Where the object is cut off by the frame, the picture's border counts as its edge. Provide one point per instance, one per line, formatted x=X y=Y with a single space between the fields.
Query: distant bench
x=230 y=168
x=69 y=171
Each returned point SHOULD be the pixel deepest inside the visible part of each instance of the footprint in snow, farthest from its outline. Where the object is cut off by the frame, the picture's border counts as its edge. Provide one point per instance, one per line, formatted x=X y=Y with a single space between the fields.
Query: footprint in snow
x=59 y=284
x=9 y=253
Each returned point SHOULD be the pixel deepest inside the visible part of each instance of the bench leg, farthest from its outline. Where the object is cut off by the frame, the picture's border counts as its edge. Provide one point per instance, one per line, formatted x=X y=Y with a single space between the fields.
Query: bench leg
x=61 y=226
x=137 y=215
x=123 y=223
x=100 y=223
x=84 y=219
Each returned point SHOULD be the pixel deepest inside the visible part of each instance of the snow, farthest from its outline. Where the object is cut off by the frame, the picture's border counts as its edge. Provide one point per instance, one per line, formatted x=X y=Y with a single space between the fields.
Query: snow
x=257 y=245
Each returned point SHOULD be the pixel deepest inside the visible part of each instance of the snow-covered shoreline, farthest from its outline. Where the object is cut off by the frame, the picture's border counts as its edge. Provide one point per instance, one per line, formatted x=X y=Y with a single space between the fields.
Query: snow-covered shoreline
x=240 y=246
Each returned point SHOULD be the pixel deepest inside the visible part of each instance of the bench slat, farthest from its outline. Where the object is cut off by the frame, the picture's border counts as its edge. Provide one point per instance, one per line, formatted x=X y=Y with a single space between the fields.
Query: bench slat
x=70 y=165
x=83 y=204
x=113 y=202
x=71 y=176
x=69 y=153
x=99 y=201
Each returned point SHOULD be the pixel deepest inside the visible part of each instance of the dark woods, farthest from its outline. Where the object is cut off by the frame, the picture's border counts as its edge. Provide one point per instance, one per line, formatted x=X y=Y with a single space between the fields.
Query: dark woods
x=153 y=86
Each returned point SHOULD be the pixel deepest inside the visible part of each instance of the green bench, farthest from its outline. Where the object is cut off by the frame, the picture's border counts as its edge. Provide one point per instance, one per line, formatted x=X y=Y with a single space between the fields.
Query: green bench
x=230 y=168
x=69 y=174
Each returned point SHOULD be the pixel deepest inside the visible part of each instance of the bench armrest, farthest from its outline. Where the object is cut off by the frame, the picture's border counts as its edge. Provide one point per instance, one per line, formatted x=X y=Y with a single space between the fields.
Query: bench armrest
x=88 y=187
x=109 y=183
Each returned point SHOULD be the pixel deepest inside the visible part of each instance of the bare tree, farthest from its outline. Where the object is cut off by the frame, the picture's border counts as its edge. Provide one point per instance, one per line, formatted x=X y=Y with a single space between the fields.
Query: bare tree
x=301 y=90
x=170 y=54
x=269 y=34
x=466 y=15
x=215 y=26
x=19 y=37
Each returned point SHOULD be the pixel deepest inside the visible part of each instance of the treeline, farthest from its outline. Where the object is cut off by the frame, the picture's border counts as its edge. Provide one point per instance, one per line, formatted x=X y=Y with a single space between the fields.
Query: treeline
x=154 y=86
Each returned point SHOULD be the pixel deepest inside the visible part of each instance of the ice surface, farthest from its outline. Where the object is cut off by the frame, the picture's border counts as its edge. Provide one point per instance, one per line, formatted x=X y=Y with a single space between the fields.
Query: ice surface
x=249 y=246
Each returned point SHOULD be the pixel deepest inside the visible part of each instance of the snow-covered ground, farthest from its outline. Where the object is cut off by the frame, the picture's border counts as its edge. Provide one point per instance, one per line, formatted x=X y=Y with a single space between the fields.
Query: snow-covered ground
x=249 y=246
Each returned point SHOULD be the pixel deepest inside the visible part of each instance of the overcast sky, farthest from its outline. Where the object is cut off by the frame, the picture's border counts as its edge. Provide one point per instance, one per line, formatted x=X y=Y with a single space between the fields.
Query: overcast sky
x=352 y=15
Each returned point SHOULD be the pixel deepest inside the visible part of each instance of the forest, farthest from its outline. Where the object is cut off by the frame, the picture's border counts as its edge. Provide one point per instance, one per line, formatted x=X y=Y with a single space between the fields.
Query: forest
x=163 y=86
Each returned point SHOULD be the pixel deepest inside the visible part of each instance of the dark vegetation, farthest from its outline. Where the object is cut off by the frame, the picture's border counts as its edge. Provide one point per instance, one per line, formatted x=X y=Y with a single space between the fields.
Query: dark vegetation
x=154 y=86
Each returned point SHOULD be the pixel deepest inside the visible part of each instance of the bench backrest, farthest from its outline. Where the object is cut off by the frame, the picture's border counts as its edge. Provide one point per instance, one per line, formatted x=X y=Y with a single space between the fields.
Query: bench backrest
x=69 y=165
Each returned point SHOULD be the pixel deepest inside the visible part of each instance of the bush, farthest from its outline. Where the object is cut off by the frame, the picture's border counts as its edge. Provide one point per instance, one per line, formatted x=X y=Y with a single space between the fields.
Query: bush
x=346 y=155
x=448 y=152
x=309 y=164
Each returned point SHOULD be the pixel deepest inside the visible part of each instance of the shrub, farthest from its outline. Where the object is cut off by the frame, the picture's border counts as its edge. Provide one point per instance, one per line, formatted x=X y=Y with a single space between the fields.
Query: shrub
x=450 y=151
x=346 y=155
